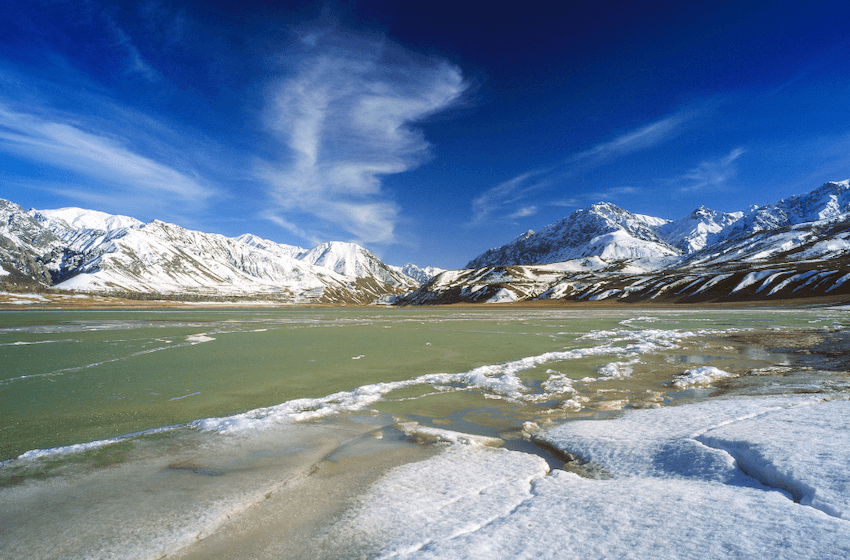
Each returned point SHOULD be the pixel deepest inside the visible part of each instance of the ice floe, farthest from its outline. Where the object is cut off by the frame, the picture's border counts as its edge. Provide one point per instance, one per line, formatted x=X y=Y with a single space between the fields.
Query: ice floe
x=701 y=376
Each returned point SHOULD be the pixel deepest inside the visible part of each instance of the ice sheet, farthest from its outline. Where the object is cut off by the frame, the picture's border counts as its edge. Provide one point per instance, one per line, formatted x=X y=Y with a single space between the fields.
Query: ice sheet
x=671 y=489
x=659 y=519
x=455 y=493
x=804 y=450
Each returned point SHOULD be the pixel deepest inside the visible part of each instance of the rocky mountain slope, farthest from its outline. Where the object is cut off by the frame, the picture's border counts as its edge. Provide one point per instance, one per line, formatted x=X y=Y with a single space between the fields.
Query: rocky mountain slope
x=94 y=252
x=797 y=247
x=28 y=250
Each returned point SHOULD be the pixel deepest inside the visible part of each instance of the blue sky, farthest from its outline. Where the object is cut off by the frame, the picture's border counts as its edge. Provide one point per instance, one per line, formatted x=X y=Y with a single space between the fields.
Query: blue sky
x=427 y=132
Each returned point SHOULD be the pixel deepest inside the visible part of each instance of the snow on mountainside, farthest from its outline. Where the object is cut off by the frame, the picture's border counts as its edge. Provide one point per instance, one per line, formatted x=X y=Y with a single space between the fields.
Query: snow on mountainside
x=704 y=236
x=809 y=227
x=73 y=219
x=83 y=250
x=276 y=248
x=162 y=258
x=603 y=230
x=421 y=275
x=797 y=247
x=829 y=202
x=697 y=230
x=353 y=260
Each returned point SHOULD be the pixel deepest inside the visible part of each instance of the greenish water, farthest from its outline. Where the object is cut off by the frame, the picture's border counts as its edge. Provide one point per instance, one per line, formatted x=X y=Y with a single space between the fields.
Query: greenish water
x=73 y=377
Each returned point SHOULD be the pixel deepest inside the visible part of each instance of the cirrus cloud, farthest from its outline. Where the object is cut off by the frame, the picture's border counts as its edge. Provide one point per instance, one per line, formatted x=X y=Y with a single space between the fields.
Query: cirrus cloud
x=346 y=112
x=714 y=173
x=517 y=190
x=93 y=154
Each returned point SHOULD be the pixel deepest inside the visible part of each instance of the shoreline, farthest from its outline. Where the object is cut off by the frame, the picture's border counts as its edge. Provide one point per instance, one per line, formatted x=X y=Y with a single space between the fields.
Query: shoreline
x=50 y=301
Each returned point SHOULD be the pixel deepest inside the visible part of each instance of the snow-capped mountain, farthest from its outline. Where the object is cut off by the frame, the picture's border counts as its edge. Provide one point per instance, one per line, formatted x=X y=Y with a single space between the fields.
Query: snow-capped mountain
x=613 y=234
x=829 y=202
x=603 y=230
x=697 y=230
x=89 y=251
x=350 y=259
x=797 y=247
x=163 y=258
x=421 y=275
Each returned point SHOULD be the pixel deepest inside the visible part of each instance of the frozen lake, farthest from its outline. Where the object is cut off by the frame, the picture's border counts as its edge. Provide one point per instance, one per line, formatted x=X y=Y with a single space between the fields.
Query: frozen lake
x=359 y=433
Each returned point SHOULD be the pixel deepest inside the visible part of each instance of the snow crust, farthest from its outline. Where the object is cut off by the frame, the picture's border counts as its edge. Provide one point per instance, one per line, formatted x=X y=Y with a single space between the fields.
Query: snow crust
x=737 y=478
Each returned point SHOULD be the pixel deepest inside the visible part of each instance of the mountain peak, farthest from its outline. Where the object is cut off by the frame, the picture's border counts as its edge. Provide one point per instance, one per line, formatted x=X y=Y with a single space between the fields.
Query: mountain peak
x=73 y=218
x=350 y=259
x=603 y=229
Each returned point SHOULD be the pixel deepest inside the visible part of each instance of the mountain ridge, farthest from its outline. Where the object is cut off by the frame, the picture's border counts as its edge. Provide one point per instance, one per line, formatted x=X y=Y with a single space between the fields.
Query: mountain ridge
x=90 y=251
x=797 y=247
x=612 y=233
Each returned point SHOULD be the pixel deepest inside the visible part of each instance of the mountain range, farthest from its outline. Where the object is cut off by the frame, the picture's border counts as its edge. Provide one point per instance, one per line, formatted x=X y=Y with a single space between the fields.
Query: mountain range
x=797 y=247
x=88 y=251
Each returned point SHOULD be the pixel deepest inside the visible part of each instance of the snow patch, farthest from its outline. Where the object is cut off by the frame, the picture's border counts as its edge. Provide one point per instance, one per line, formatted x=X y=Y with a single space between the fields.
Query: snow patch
x=503 y=296
x=701 y=376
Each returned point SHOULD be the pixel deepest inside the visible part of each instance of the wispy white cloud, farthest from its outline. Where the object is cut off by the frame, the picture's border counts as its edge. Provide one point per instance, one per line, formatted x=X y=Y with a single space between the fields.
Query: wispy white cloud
x=713 y=174
x=524 y=212
x=135 y=63
x=347 y=111
x=93 y=155
x=613 y=193
x=505 y=196
x=640 y=139
x=292 y=228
